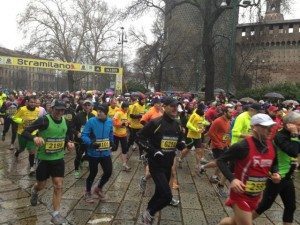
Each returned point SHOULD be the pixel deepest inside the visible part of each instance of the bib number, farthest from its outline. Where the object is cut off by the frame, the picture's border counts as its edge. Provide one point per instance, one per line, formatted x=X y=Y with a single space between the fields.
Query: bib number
x=54 y=145
x=168 y=143
x=103 y=144
x=254 y=185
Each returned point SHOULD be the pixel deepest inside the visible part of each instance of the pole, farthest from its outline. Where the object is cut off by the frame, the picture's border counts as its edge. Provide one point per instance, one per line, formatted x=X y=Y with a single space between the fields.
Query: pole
x=119 y=77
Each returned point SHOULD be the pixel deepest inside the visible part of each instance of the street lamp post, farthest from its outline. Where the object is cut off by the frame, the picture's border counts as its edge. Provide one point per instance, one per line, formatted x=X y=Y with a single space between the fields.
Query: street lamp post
x=122 y=40
x=119 y=78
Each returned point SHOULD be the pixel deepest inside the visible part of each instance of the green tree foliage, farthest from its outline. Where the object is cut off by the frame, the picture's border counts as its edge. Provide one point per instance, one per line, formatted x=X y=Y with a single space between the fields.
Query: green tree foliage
x=288 y=90
x=135 y=86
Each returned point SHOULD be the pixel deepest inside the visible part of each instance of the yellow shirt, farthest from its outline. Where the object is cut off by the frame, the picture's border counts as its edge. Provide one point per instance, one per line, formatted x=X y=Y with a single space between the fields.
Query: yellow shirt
x=111 y=111
x=119 y=129
x=25 y=117
x=136 y=110
x=196 y=126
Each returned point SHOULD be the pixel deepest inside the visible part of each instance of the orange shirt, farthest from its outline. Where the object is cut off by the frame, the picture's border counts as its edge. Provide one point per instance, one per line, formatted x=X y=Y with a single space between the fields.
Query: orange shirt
x=151 y=114
x=120 y=122
x=219 y=133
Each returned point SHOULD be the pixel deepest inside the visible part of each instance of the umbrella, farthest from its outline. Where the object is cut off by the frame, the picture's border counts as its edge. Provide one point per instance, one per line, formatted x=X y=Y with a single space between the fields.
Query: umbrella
x=127 y=94
x=219 y=90
x=247 y=100
x=290 y=102
x=274 y=95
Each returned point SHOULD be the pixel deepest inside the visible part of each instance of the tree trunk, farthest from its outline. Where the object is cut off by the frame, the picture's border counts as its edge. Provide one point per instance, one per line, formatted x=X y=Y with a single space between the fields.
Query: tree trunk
x=70 y=75
x=208 y=54
x=160 y=76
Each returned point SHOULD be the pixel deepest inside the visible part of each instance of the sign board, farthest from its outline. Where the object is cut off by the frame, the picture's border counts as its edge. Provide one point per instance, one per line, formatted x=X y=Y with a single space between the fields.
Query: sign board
x=59 y=65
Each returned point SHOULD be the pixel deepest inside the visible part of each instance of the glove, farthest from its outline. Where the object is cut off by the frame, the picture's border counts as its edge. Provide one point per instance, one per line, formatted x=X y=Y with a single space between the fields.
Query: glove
x=181 y=145
x=94 y=145
x=158 y=154
x=113 y=146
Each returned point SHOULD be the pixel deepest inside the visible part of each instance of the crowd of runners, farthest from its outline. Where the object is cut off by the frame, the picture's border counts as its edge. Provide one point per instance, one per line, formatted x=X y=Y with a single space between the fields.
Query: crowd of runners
x=254 y=145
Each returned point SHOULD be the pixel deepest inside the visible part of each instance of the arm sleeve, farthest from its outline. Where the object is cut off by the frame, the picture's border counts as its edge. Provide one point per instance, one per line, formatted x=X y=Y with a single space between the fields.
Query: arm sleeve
x=41 y=123
x=237 y=127
x=17 y=118
x=287 y=145
x=116 y=120
x=190 y=125
x=111 y=133
x=86 y=133
x=236 y=152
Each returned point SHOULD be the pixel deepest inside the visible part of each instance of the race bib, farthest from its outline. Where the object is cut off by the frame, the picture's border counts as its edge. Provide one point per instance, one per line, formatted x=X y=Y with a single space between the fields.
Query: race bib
x=255 y=185
x=68 y=117
x=104 y=144
x=53 y=145
x=168 y=143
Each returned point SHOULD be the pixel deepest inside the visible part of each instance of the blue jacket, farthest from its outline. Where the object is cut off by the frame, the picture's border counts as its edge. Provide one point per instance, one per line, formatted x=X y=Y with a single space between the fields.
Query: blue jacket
x=98 y=131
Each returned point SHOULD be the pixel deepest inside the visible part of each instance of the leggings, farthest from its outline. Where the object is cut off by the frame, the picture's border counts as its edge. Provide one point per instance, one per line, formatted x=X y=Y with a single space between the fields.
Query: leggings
x=123 y=141
x=106 y=165
x=286 y=190
x=80 y=149
x=7 y=122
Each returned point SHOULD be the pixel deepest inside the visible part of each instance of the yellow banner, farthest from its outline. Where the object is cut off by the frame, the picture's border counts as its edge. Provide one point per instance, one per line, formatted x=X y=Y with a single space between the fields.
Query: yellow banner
x=59 y=65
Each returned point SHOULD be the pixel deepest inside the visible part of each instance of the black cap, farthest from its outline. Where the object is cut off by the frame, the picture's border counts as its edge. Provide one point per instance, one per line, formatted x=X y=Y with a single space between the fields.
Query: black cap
x=170 y=101
x=125 y=105
x=255 y=106
x=58 y=104
x=103 y=108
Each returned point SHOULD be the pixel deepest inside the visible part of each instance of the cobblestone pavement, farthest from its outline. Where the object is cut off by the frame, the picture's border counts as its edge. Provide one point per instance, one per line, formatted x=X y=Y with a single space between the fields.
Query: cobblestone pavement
x=200 y=204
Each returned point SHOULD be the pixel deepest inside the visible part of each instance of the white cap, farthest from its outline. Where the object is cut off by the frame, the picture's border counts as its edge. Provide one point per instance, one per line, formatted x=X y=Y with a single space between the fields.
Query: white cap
x=262 y=119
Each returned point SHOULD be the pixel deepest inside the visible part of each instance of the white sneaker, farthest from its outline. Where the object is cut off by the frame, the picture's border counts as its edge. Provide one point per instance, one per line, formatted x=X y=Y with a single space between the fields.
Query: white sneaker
x=31 y=171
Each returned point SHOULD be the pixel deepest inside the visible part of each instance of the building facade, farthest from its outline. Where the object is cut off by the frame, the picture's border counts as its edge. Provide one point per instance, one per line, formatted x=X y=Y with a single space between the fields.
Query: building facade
x=267 y=52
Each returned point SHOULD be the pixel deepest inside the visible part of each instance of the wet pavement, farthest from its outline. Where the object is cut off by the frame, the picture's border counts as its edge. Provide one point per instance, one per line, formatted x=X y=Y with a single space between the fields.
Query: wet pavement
x=199 y=205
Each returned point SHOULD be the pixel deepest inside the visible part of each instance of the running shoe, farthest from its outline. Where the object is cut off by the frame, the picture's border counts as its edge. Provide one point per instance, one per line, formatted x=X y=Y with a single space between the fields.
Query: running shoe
x=34 y=197
x=174 y=202
x=214 y=179
x=88 y=197
x=58 y=220
x=143 y=184
x=201 y=169
x=31 y=171
x=221 y=191
x=77 y=174
x=126 y=168
x=147 y=219
x=97 y=191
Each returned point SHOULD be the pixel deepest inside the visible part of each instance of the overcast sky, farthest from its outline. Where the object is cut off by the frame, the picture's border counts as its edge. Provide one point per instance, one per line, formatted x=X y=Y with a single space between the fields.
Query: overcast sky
x=11 y=38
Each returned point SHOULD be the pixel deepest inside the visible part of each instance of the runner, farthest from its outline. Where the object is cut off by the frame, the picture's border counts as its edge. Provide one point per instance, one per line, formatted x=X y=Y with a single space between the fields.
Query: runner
x=79 y=121
x=11 y=107
x=253 y=157
x=136 y=112
x=196 y=126
x=24 y=117
x=241 y=127
x=219 y=135
x=120 y=123
x=287 y=143
x=160 y=138
x=52 y=131
x=98 y=136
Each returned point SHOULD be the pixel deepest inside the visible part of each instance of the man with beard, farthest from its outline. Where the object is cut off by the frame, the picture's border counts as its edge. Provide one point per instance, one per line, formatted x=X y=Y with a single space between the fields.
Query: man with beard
x=24 y=117
x=219 y=134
